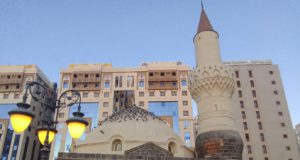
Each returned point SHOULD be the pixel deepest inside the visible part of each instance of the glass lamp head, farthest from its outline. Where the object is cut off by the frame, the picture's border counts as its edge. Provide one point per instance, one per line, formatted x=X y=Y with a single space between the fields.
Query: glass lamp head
x=21 y=117
x=42 y=133
x=76 y=125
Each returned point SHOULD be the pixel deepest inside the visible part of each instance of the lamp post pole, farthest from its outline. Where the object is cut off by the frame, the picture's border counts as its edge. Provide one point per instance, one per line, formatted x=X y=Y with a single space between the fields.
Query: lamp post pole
x=51 y=105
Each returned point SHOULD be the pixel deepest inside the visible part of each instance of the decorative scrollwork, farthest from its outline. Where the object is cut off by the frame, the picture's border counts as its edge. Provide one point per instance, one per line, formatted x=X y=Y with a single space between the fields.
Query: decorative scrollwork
x=69 y=98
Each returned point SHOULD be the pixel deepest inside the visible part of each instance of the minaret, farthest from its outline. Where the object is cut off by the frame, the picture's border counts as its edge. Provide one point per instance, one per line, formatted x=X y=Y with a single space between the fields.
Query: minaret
x=212 y=86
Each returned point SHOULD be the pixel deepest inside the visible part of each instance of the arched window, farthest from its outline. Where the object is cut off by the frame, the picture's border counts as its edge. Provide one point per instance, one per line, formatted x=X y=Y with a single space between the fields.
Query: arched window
x=172 y=147
x=117 y=145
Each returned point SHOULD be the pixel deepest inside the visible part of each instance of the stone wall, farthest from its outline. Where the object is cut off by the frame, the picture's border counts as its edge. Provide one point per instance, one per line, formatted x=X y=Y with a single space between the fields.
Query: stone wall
x=83 y=156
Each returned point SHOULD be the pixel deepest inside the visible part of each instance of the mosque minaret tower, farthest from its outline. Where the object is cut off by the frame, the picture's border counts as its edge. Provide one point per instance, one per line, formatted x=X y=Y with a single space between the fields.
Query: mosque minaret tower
x=212 y=86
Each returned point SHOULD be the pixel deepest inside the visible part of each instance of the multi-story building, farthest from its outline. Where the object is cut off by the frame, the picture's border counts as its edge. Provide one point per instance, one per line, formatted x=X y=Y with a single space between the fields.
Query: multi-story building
x=297 y=130
x=159 y=87
x=13 y=79
x=261 y=112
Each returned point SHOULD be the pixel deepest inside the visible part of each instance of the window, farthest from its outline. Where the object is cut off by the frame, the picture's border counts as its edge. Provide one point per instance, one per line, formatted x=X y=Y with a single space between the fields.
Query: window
x=250 y=74
x=278 y=102
x=252 y=83
x=185 y=113
x=151 y=74
x=18 y=87
x=266 y=158
x=5 y=96
x=85 y=85
x=86 y=76
x=105 y=114
x=66 y=85
x=97 y=75
x=96 y=94
x=240 y=94
x=282 y=124
x=280 y=113
x=141 y=94
x=275 y=92
x=172 y=147
x=242 y=104
x=288 y=148
x=75 y=76
x=96 y=85
x=249 y=149
x=184 y=103
x=245 y=126
x=187 y=137
x=16 y=95
x=105 y=104
x=183 y=82
x=253 y=93
x=255 y=103
x=238 y=84
x=174 y=84
x=262 y=137
x=273 y=82
x=285 y=136
x=117 y=145
x=271 y=72
x=264 y=149
x=106 y=84
x=257 y=115
x=74 y=86
x=141 y=104
x=186 y=124
x=237 y=75
x=61 y=115
x=151 y=94
x=184 y=93
x=243 y=114
x=247 y=137
x=0 y=126
x=250 y=158
x=162 y=93
x=141 y=84
x=6 y=87
x=260 y=125
x=162 y=84
x=173 y=73
x=85 y=95
x=162 y=74
x=106 y=94
x=174 y=93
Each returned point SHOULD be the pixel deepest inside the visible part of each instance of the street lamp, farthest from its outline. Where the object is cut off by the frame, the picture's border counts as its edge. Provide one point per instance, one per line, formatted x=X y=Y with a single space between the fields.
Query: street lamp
x=22 y=116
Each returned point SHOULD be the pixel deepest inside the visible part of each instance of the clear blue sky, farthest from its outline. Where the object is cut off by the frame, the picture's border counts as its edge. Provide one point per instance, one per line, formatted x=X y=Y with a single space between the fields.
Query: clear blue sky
x=56 y=33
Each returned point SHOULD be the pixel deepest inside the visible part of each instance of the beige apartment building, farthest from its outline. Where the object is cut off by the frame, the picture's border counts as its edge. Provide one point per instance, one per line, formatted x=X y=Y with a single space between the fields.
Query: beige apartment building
x=160 y=88
x=13 y=79
x=261 y=112
x=297 y=130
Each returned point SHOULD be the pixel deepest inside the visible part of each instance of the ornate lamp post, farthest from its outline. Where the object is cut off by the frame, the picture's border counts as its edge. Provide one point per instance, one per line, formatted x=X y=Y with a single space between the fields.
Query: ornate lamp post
x=22 y=116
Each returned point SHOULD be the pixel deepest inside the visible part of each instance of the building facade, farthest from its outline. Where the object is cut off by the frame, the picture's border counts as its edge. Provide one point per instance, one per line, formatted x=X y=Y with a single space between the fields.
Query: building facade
x=13 y=80
x=261 y=112
x=297 y=130
x=160 y=88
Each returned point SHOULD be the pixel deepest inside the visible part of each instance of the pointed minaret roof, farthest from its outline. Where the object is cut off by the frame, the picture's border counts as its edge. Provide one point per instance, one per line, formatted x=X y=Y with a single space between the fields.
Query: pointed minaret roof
x=204 y=24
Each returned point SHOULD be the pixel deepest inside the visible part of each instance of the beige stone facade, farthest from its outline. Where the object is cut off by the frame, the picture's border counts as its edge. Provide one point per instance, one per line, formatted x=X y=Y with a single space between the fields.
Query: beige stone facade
x=12 y=85
x=297 y=130
x=150 y=86
x=261 y=112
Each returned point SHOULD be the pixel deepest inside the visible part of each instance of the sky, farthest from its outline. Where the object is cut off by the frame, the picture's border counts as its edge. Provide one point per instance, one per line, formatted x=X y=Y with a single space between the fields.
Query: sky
x=56 y=33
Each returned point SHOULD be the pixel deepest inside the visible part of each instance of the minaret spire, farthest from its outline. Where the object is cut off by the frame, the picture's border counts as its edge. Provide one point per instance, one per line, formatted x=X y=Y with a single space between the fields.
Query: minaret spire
x=204 y=23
